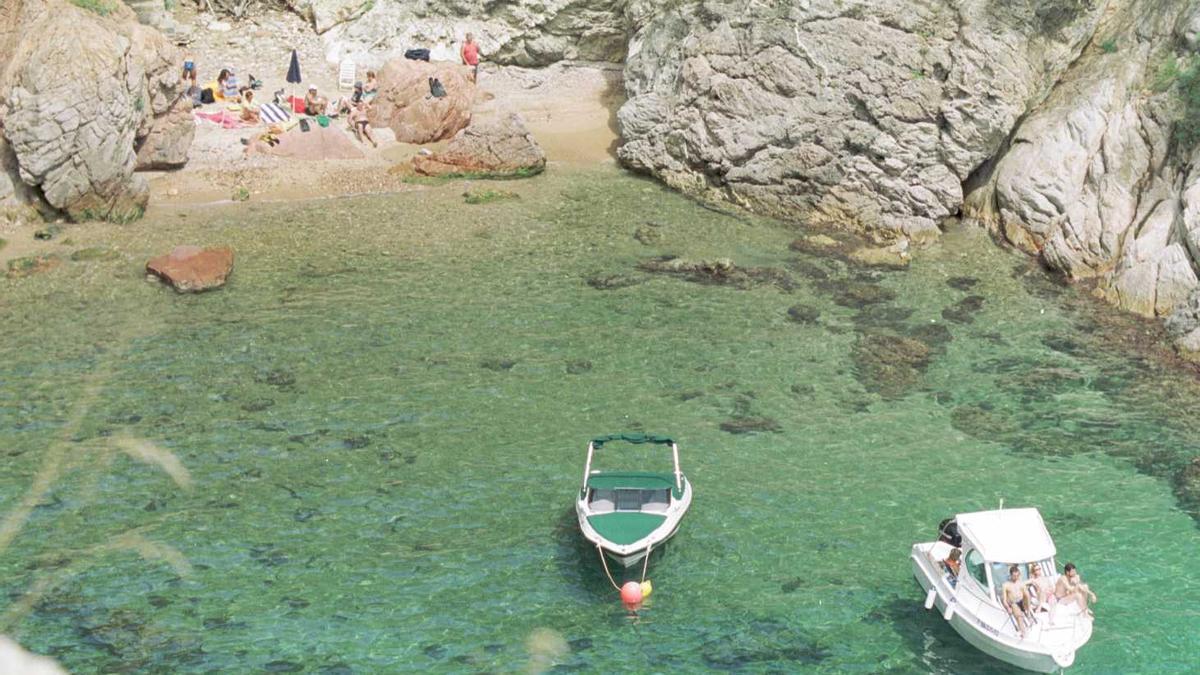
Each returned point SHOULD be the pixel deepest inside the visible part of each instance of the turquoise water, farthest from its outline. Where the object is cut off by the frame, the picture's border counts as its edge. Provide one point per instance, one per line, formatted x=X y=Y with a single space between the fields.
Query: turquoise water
x=383 y=419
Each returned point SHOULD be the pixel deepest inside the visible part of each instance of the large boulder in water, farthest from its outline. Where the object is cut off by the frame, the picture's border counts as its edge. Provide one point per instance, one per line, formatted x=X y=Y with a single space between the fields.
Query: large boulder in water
x=406 y=104
x=80 y=120
x=502 y=147
x=190 y=269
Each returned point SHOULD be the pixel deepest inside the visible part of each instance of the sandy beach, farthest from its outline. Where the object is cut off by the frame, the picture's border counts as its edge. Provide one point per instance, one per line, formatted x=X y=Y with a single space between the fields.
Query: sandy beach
x=570 y=108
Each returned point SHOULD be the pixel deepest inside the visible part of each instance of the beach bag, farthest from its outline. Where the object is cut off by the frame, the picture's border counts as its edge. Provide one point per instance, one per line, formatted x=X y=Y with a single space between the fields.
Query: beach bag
x=323 y=120
x=436 y=88
x=303 y=125
x=206 y=96
x=416 y=54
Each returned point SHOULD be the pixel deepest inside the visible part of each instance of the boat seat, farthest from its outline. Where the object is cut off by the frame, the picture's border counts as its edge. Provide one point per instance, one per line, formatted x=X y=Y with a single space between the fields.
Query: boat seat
x=602 y=501
x=654 y=507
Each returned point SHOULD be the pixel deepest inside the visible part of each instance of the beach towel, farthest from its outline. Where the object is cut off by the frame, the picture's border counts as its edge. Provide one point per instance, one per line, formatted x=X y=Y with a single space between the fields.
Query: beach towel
x=297 y=104
x=224 y=118
x=273 y=114
x=288 y=125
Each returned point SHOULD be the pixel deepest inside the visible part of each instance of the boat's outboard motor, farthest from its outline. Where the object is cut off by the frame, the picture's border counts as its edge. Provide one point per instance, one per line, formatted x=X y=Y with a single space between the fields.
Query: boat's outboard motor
x=948 y=532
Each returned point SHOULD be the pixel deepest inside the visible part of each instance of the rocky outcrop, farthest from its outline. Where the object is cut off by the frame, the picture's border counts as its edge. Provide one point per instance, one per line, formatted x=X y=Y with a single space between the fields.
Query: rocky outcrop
x=1092 y=180
x=191 y=269
x=497 y=148
x=854 y=113
x=513 y=32
x=81 y=115
x=406 y=104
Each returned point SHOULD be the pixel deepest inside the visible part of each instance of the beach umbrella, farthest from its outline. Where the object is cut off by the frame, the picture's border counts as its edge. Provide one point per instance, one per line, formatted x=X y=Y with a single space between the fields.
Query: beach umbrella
x=293 y=74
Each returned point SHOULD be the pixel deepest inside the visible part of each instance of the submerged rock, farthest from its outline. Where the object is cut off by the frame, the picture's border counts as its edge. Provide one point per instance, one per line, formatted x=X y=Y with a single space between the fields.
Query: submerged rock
x=803 y=314
x=613 y=281
x=751 y=425
x=889 y=365
x=30 y=265
x=191 y=269
x=719 y=272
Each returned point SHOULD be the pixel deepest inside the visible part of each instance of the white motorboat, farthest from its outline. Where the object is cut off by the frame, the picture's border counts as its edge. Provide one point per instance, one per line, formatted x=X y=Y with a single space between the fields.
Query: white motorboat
x=991 y=542
x=626 y=514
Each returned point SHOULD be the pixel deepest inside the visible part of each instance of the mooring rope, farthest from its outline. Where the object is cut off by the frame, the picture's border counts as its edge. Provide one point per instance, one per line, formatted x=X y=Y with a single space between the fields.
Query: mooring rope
x=646 y=562
x=606 y=572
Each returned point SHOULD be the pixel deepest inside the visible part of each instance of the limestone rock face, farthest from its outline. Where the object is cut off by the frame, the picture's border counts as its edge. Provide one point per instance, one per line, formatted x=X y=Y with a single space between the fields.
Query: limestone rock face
x=528 y=33
x=852 y=112
x=405 y=104
x=190 y=269
x=503 y=146
x=82 y=115
x=1091 y=181
x=325 y=14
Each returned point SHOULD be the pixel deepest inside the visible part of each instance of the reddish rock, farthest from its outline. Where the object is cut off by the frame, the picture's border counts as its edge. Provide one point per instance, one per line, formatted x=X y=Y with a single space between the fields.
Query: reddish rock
x=404 y=102
x=190 y=269
x=503 y=147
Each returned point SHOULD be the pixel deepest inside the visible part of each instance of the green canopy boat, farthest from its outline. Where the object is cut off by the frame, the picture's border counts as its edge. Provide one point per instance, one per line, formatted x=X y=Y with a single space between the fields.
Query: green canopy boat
x=626 y=514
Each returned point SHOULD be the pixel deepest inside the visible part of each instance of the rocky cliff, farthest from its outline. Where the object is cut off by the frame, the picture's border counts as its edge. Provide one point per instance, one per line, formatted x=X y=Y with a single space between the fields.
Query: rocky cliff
x=81 y=115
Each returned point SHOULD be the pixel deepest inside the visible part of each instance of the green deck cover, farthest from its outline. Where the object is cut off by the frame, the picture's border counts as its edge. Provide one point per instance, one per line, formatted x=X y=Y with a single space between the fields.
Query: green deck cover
x=625 y=527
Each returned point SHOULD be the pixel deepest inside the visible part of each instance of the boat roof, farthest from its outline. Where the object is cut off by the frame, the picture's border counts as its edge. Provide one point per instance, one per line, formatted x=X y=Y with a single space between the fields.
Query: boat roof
x=1008 y=535
x=633 y=480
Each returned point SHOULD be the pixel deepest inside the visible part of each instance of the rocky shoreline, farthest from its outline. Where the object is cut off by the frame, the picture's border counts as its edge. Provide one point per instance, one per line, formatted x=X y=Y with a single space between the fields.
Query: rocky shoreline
x=1057 y=125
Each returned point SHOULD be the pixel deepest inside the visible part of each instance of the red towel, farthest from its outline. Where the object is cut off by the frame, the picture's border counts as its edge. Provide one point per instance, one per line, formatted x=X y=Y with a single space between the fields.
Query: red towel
x=225 y=118
x=297 y=104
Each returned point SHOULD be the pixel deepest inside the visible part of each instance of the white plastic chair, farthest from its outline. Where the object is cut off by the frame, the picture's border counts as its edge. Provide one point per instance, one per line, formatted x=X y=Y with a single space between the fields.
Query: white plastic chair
x=347 y=74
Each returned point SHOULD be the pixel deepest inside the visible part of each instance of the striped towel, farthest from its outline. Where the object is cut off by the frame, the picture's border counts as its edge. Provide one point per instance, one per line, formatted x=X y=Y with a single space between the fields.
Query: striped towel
x=272 y=114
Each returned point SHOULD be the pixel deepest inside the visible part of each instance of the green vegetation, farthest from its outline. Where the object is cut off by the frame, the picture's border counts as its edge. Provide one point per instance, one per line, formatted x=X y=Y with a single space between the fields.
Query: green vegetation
x=95 y=253
x=3 y=243
x=23 y=267
x=241 y=193
x=1109 y=46
x=1187 y=127
x=101 y=7
x=480 y=175
x=1168 y=72
x=488 y=196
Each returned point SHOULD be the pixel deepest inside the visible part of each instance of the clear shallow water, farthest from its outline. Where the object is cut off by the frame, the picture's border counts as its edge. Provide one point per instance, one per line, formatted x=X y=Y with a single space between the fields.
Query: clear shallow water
x=384 y=418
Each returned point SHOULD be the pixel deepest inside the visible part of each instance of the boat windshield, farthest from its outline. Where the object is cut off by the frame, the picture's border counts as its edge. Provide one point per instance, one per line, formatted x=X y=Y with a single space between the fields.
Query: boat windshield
x=630 y=500
x=1000 y=577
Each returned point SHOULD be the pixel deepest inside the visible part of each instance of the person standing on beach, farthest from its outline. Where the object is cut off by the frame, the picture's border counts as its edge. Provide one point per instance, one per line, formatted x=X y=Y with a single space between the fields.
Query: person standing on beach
x=470 y=56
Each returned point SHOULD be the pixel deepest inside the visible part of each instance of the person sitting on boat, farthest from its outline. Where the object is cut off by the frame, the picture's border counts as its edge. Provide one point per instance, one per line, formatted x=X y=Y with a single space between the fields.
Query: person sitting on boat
x=1041 y=589
x=1070 y=588
x=953 y=563
x=1015 y=598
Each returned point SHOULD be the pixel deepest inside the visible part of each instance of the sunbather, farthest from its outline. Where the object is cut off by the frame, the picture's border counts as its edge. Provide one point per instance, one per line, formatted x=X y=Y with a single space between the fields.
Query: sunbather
x=1070 y=588
x=315 y=104
x=371 y=87
x=360 y=123
x=1041 y=590
x=232 y=90
x=249 y=108
x=1015 y=598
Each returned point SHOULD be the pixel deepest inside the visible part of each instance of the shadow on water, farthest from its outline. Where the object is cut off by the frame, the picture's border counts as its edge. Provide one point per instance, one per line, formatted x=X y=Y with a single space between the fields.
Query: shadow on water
x=935 y=646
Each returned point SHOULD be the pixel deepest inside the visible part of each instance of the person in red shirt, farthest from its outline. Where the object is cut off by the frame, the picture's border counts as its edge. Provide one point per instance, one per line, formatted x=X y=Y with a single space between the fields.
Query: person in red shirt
x=470 y=56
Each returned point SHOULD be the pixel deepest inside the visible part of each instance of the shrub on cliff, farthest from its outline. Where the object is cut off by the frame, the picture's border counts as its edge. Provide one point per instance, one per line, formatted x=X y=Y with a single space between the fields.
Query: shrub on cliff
x=1187 y=128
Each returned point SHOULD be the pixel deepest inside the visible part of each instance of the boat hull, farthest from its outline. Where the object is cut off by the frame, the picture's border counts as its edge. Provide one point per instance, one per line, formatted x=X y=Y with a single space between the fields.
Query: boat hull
x=633 y=554
x=980 y=635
